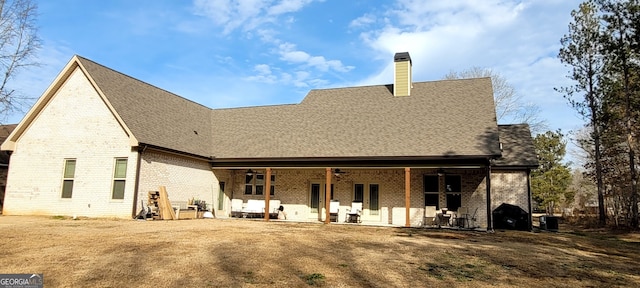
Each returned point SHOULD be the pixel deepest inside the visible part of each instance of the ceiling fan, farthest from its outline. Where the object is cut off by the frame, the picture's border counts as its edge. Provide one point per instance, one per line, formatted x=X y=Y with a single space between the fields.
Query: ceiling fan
x=338 y=172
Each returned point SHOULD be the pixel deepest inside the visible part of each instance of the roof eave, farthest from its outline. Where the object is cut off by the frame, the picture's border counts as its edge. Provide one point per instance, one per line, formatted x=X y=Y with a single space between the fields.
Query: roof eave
x=367 y=161
x=514 y=167
x=144 y=146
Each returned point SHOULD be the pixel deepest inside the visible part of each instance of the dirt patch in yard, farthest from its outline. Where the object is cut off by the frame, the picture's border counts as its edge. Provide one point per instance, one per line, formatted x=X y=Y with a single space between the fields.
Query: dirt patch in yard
x=254 y=253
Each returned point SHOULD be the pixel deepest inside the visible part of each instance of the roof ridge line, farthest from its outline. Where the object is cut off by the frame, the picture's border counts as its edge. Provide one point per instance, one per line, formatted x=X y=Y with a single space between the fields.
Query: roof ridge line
x=255 y=106
x=391 y=84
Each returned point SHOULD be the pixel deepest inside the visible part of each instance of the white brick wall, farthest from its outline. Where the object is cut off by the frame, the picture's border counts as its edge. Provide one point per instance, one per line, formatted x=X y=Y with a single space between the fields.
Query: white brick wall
x=76 y=123
x=292 y=188
x=184 y=178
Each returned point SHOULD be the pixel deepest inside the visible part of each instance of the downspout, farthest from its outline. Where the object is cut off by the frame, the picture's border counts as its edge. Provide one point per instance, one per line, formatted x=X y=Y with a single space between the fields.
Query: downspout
x=489 y=214
x=529 y=199
x=136 y=184
x=213 y=190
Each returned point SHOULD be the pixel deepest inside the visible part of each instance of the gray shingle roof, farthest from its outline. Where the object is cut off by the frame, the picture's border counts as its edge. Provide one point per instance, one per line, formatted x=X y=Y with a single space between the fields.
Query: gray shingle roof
x=153 y=115
x=439 y=119
x=517 y=145
x=5 y=130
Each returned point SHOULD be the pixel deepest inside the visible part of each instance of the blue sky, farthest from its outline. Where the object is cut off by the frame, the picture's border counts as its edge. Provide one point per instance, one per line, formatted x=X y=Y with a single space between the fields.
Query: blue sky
x=223 y=53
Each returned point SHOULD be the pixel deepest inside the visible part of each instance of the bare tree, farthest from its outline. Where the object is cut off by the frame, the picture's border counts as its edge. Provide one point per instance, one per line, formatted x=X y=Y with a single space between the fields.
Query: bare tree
x=18 y=44
x=584 y=191
x=509 y=104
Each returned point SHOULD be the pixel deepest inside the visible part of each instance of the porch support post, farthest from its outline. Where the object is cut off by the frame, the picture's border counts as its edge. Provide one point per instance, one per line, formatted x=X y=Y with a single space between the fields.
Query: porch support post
x=529 y=199
x=267 y=195
x=489 y=218
x=327 y=200
x=407 y=196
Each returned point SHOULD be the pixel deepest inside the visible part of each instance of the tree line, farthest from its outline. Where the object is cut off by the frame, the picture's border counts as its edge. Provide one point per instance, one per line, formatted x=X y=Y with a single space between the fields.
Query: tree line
x=602 y=52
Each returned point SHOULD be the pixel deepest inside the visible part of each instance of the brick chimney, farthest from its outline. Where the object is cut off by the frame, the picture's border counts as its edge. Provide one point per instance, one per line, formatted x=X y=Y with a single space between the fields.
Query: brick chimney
x=402 y=75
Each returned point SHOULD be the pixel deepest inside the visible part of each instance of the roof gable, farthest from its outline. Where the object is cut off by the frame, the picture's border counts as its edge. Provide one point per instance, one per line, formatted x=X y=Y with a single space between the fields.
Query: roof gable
x=517 y=145
x=41 y=103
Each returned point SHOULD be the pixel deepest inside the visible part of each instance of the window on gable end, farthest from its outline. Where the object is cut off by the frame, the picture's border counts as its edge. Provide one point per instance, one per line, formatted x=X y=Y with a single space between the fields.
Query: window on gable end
x=68 y=177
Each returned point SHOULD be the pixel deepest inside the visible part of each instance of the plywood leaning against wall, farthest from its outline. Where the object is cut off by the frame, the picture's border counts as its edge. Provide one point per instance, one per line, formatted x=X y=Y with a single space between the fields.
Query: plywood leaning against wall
x=160 y=200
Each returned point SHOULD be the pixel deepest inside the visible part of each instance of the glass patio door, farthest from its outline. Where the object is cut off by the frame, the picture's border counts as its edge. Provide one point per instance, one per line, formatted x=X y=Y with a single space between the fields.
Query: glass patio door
x=317 y=194
x=369 y=195
x=315 y=200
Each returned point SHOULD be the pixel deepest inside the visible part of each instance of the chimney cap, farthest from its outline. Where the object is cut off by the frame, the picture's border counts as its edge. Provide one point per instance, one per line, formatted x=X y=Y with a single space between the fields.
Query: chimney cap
x=402 y=57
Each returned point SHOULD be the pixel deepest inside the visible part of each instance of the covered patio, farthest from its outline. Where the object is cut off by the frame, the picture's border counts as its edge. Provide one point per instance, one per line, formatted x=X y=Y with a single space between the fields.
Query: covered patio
x=386 y=192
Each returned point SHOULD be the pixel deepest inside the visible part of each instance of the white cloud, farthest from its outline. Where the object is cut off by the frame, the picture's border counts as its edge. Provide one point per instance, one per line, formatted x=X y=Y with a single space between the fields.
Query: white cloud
x=262 y=18
x=363 y=21
x=287 y=6
x=450 y=35
x=421 y=15
x=299 y=79
x=518 y=39
x=263 y=69
x=289 y=53
x=264 y=74
x=246 y=15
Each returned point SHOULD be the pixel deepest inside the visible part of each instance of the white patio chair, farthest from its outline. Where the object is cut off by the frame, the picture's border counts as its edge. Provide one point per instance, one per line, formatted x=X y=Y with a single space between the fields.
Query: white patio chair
x=334 y=209
x=471 y=218
x=443 y=218
x=462 y=217
x=429 y=215
x=353 y=216
x=236 y=207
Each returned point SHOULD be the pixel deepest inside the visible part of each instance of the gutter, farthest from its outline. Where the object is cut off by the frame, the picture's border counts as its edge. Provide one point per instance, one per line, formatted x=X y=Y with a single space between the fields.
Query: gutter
x=351 y=162
x=515 y=167
x=175 y=152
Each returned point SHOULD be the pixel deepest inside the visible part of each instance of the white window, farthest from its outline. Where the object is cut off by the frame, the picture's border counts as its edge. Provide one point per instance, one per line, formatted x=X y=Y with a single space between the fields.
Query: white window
x=431 y=191
x=358 y=193
x=119 y=178
x=453 y=185
x=67 y=178
x=254 y=183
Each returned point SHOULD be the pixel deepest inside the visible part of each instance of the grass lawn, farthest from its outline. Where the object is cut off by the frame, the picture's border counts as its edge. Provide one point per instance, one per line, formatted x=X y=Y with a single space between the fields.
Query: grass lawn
x=254 y=253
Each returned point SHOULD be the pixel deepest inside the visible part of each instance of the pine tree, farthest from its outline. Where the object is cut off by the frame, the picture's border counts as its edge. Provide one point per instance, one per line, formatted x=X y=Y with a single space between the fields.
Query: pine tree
x=620 y=45
x=581 y=51
x=550 y=181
